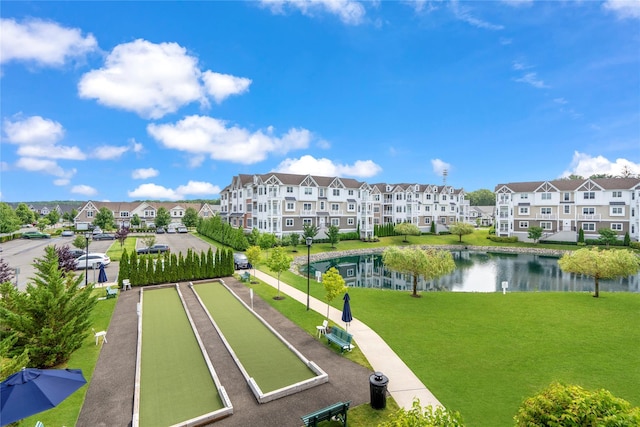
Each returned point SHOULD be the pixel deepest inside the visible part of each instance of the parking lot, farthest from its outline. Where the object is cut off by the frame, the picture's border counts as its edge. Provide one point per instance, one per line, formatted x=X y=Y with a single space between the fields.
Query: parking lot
x=21 y=253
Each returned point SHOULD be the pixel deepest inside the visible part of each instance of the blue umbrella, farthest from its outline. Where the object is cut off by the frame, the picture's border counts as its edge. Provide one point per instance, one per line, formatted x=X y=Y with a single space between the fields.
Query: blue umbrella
x=346 y=310
x=35 y=390
x=102 y=277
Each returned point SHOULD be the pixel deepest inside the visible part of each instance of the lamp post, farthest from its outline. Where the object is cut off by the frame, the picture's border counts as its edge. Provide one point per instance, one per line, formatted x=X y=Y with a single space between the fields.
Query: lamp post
x=309 y=241
x=86 y=260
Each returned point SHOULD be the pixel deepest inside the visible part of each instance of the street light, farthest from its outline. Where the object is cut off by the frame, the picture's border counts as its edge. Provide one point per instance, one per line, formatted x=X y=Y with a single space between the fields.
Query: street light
x=309 y=241
x=86 y=260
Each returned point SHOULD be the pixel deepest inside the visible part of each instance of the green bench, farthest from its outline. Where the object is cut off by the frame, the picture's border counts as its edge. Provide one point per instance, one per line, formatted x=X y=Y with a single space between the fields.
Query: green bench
x=337 y=410
x=245 y=276
x=111 y=293
x=340 y=337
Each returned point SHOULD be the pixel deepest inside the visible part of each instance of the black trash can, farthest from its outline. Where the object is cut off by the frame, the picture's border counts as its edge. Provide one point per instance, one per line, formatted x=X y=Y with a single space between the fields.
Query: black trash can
x=378 y=389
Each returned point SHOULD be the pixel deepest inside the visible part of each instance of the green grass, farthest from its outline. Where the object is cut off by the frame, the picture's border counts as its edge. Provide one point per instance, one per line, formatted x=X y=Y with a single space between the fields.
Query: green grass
x=85 y=358
x=264 y=356
x=175 y=383
x=115 y=250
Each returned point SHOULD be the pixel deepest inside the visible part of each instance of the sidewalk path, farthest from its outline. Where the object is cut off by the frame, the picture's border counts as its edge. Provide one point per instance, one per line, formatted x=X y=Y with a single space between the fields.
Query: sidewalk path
x=403 y=386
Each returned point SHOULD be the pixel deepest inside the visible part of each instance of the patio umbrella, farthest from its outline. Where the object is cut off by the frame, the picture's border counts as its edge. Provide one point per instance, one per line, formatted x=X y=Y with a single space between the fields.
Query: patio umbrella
x=31 y=390
x=346 y=310
x=102 y=276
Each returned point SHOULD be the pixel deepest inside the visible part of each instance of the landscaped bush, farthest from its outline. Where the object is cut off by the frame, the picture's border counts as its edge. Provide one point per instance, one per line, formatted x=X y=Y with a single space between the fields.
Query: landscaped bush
x=598 y=242
x=220 y=231
x=502 y=239
x=634 y=245
x=418 y=416
x=572 y=406
x=557 y=242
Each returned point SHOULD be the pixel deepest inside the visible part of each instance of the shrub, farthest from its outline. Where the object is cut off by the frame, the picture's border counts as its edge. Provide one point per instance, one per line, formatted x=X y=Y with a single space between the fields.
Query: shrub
x=423 y=417
x=503 y=239
x=634 y=245
x=572 y=406
x=581 y=236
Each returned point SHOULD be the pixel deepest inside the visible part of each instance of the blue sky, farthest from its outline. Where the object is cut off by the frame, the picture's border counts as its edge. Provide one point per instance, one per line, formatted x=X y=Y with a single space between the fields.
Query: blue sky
x=124 y=101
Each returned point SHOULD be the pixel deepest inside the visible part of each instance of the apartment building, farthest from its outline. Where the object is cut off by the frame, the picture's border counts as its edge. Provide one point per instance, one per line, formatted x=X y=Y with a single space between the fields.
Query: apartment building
x=146 y=211
x=282 y=204
x=563 y=207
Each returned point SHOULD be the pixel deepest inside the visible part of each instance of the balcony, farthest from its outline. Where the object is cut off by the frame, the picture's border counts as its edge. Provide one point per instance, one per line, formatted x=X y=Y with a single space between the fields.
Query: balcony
x=546 y=216
x=307 y=212
x=590 y=217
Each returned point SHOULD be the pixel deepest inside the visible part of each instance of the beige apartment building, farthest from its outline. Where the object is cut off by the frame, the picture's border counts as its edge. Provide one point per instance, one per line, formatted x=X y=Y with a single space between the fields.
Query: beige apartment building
x=282 y=204
x=563 y=207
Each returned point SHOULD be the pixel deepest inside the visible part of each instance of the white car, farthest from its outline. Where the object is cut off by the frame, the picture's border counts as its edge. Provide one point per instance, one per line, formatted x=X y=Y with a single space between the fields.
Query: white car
x=93 y=261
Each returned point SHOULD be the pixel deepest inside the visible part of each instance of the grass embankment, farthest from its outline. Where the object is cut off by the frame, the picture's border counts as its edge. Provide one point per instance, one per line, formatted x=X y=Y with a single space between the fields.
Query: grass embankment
x=172 y=364
x=85 y=358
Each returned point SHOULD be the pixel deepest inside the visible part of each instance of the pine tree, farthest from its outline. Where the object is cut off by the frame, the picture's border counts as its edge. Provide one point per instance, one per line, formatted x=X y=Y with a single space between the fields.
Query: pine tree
x=210 y=262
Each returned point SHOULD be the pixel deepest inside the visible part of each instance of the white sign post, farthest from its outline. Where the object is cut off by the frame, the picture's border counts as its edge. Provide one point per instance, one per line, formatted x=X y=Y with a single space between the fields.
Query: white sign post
x=251 y=295
x=505 y=285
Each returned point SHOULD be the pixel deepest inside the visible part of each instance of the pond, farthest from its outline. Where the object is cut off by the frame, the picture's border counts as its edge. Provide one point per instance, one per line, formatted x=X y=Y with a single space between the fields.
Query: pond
x=475 y=272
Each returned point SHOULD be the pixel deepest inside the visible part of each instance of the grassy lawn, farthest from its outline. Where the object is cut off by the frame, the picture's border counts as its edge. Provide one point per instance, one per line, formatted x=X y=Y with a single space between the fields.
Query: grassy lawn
x=85 y=358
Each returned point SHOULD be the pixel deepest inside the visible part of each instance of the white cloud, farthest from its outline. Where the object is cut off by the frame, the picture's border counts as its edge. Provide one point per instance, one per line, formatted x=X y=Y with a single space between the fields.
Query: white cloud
x=624 y=8
x=46 y=166
x=325 y=167
x=51 y=152
x=349 y=11
x=212 y=137
x=85 y=190
x=154 y=191
x=144 y=173
x=221 y=86
x=518 y=66
x=61 y=182
x=518 y=3
x=147 y=78
x=439 y=167
x=42 y=42
x=585 y=165
x=533 y=80
x=136 y=147
x=34 y=130
x=463 y=13
x=109 y=152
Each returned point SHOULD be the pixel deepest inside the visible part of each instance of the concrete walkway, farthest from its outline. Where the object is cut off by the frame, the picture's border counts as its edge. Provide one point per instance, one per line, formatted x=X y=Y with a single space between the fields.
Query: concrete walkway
x=403 y=386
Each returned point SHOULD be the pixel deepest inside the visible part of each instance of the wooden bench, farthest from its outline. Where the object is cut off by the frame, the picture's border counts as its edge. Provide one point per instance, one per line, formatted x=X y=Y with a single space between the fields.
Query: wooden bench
x=337 y=410
x=340 y=337
x=111 y=293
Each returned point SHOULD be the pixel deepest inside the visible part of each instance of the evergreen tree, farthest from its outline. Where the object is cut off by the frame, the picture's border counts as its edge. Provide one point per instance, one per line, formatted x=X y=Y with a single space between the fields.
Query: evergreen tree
x=52 y=317
x=133 y=269
x=124 y=267
x=210 y=262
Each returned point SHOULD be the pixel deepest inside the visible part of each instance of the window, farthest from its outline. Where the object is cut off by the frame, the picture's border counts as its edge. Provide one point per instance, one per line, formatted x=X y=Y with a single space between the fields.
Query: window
x=617 y=226
x=308 y=191
x=335 y=221
x=443 y=208
x=588 y=211
x=567 y=197
x=289 y=189
x=336 y=191
x=427 y=196
x=589 y=226
x=546 y=196
x=617 y=194
x=249 y=222
x=444 y=197
x=290 y=206
x=350 y=221
x=524 y=224
x=545 y=211
x=617 y=210
x=399 y=209
x=306 y=206
x=546 y=225
x=321 y=192
x=427 y=208
x=524 y=196
x=399 y=196
x=567 y=209
x=306 y=221
x=350 y=192
x=288 y=222
x=351 y=207
x=427 y=220
x=322 y=206
x=89 y=214
x=350 y=272
x=124 y=214
x=589 y=195
x=335 y=207
x=524 y=210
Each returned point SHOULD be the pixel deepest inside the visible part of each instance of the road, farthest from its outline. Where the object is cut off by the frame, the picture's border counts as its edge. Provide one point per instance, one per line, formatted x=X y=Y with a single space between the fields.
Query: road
x=21 y=253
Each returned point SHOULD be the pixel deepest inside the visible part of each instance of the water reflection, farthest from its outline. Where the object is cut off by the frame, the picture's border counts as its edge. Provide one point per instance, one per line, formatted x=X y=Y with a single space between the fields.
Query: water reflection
x=475 y=272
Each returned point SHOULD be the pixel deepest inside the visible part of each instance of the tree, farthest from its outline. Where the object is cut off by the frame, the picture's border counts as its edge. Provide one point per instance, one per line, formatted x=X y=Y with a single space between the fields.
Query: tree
x=149 y=240
x=405 y=229
x=581 y=236
x=66 y=260
x=104 y=219
x=482 y=197
x=428 y=263
x=9 y=221
x=333 y=284
x=135 y=220
x=52 y=317
x=309 y=230
x=121 y=235
x=163 y=217
x=26 y=215
x=423 y=417
x=266 y=241
x=254 y=256
x=333 y=234
x=7 y=274
x=278 y=262
x=80 y=242
x=432 y=229
x=53 y=216
x=461 y=229
x=573 y=406
x=535 y=233
x=70 y=216
x=294 y=238
x=600 y=264
x=190 y=217
x=607 y=236
x=43 y=223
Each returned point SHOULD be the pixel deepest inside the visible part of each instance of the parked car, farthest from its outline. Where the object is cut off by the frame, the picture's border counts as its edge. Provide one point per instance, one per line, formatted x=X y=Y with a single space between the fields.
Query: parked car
x=155 y=249
x=182 y=229
x=67 y=233
x=240 y=261
x=77 y=252
x=97 y=230
x=171 y=230
x=104 y=236
x=35 y=235
x=159 y=230
x=93 y=260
